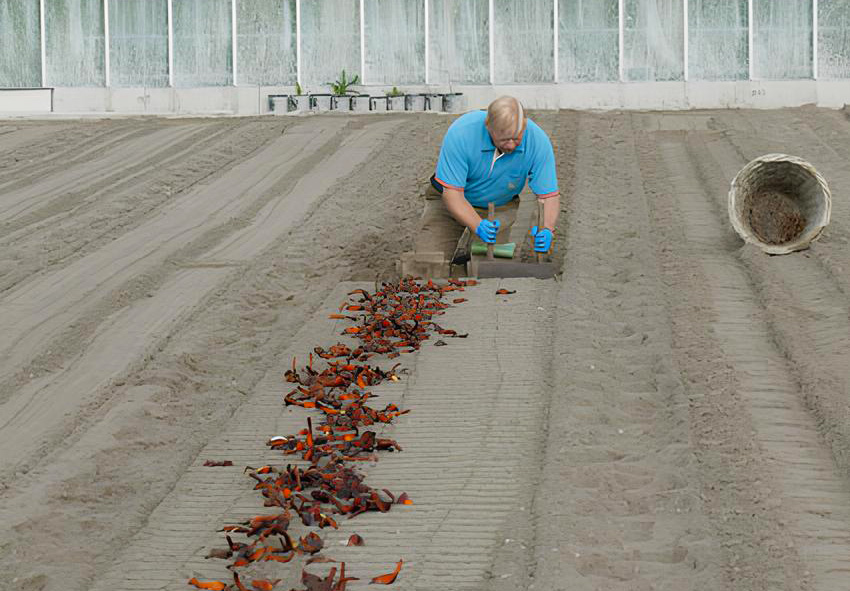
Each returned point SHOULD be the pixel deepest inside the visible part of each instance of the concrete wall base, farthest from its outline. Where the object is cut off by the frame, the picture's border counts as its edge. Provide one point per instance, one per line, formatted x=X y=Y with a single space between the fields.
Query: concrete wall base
x=245 y=100
x=26 y=100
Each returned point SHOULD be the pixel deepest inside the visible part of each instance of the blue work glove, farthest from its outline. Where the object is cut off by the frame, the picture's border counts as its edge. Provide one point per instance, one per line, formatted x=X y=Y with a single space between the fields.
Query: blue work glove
x=542 y=239
x=487 y=230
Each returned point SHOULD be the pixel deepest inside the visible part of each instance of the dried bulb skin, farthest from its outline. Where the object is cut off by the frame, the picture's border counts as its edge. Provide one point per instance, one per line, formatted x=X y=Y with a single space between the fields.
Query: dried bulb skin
x=395 y=319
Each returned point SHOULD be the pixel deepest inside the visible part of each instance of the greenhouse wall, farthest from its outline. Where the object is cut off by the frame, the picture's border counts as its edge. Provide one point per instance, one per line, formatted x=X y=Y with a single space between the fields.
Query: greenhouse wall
x=229 y=55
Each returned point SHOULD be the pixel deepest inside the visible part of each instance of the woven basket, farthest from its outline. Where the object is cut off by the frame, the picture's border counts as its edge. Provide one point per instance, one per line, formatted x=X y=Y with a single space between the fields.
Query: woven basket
x=779 y=203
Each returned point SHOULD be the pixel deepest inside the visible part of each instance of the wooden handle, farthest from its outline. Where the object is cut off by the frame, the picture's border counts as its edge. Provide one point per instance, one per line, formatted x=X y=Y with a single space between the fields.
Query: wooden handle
x=491 y=215
x=539 y=225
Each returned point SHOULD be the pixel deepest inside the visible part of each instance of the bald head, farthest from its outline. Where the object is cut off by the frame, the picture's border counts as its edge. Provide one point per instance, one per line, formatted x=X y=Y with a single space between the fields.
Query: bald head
x=506 y=123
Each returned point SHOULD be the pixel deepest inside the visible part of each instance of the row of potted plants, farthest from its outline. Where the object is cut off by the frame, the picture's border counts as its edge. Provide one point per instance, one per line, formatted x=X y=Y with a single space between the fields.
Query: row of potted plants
x=344 y=98
x=365 y=102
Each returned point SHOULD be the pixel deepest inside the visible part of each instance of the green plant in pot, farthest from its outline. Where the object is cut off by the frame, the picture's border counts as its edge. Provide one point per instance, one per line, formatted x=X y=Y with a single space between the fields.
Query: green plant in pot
x=395 y=99
x=299 y=101
x=341 y=88
x=342 y=85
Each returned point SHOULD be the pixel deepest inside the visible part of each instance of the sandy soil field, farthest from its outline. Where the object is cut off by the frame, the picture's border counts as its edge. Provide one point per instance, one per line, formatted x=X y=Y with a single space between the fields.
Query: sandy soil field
x=685 y=415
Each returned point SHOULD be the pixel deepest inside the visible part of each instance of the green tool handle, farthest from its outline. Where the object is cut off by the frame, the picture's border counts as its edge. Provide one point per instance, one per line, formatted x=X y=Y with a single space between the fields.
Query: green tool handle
x=504 y=250
x=491 y=215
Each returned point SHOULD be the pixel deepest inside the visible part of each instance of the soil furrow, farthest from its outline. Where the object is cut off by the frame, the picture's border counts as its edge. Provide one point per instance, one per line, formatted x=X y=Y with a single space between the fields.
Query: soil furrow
x=196 y=223
x=758 y=552
x=91 y=174
x=85 y=222
x=17 y=138
x=765 y=380
x=806 y=299
x=74 y=147
x=104 y=177
x=618 y=506
x=141 y=324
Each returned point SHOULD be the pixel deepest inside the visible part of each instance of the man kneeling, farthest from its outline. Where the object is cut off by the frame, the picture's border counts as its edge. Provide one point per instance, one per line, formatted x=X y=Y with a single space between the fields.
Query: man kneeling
x=486 y=157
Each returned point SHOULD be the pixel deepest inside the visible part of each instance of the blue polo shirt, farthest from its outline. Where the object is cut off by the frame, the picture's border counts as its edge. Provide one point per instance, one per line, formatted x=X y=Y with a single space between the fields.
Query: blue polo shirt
x=466 y=158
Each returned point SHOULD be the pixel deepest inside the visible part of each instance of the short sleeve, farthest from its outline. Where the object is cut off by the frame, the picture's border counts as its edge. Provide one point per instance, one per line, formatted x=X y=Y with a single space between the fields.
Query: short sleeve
x=544 y=179
x=452 y=166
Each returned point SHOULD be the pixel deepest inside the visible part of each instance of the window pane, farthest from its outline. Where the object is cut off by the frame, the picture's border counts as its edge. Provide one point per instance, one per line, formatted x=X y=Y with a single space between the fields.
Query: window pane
x=782 y=39
x=834 y=38
x=395 y=41
x=266 y=42
x=20 y=44
x=202 y=43
x=330 y=40
x=459 y=41
x=138 y=42
x=75 y=47
x=524 y=43
x=654 y=40
x=717 y=44
x=588 y=40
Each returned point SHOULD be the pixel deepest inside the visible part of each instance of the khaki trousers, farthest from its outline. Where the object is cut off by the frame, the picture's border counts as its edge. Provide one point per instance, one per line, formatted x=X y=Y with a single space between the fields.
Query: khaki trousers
x=439 y=232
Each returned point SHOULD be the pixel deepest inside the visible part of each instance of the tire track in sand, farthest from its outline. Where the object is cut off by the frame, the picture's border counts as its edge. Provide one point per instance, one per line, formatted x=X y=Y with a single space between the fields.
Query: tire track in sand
x=814 y=501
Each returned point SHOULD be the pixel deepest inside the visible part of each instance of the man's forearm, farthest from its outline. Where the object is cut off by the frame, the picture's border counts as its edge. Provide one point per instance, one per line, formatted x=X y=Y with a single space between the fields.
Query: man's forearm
x=551 y=207
x=460 y=208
